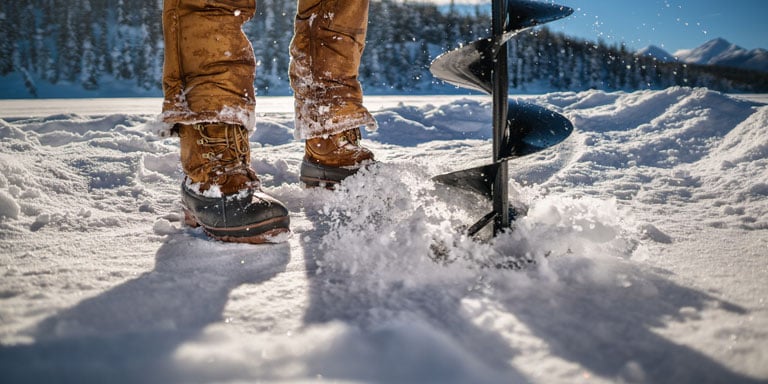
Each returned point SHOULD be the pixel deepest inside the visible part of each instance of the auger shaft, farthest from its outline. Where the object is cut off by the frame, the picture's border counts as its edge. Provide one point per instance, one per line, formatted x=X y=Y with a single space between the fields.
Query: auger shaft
x=500 y=80
x=519 y=128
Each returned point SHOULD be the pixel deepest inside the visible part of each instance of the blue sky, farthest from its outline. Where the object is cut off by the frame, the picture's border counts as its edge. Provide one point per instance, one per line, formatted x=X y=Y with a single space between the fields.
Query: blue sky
x=670 y=24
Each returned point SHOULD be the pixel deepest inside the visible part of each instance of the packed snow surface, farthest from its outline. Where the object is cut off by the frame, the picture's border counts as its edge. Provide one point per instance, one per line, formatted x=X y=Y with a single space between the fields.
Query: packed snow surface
x=648 y=229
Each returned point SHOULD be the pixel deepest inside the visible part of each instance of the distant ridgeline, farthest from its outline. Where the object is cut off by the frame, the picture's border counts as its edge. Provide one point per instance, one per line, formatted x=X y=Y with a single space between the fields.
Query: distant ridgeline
x=96 y=44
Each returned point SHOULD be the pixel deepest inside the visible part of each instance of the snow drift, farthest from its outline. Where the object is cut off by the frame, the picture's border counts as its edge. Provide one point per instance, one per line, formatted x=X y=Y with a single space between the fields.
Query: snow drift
x=647 y=229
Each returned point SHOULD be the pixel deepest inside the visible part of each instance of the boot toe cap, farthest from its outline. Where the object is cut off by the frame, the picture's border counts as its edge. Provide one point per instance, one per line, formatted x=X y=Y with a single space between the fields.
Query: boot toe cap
x=244 y=214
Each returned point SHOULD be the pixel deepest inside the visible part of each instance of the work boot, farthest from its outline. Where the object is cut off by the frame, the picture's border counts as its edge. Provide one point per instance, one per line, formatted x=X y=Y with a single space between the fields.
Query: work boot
x=221 y=191
x=330 y=159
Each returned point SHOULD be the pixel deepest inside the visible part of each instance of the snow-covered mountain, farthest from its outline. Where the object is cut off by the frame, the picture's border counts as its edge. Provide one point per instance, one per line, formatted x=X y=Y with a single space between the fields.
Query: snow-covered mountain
x=657 y=53
x=721 y=52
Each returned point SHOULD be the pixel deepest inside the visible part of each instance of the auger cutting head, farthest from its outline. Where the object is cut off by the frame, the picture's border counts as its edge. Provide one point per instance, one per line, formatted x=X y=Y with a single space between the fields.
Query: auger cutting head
x=519 y=128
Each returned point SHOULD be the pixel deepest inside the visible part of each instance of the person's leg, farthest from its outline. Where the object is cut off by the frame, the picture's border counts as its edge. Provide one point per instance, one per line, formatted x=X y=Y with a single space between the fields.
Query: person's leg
x=328 y=43
x=209 y=66
x=209 y=101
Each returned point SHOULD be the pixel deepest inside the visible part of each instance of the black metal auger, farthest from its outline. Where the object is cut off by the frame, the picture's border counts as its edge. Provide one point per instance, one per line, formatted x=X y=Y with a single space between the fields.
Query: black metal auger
x=519 y=128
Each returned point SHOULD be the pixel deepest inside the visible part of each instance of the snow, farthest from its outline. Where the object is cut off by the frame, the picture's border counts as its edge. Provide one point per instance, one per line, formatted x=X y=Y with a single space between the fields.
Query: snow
x=656 y=52
x=648 y=228
x=723 y=53
x=708 y=52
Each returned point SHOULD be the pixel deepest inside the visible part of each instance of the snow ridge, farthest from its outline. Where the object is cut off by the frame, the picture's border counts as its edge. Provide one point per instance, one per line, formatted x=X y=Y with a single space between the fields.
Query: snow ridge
x=723 y=53
x=657 y=53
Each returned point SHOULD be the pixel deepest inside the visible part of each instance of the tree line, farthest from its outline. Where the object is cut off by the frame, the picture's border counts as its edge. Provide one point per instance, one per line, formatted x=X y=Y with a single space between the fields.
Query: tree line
x=94 y=42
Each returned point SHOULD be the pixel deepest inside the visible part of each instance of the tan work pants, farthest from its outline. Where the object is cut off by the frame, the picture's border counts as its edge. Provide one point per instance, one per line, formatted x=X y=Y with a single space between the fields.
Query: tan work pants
x=209 y=64
x=327 y=45
x=209 y=67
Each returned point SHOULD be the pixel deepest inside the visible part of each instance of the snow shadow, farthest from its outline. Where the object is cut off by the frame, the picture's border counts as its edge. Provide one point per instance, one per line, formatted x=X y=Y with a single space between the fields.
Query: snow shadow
x=128 y=334
x=610 y=325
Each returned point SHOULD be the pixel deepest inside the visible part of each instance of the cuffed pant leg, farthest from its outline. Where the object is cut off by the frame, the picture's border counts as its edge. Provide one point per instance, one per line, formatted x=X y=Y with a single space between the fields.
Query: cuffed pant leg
x=209 y=66
x=328 y=43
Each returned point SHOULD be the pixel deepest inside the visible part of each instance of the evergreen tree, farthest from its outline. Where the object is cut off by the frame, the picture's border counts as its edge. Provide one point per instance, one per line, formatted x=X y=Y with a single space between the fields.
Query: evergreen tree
x=89 y=76
x=7 y=44
x=69 y=49
x=121 y=51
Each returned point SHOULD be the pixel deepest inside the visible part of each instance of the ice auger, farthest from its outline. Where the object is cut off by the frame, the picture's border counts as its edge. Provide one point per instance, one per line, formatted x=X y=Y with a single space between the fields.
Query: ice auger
x=519 y=128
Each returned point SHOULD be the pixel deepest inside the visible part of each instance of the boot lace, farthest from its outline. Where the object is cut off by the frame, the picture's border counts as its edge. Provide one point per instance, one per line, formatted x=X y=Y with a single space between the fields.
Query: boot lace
x=350 y=139
x=230 y=154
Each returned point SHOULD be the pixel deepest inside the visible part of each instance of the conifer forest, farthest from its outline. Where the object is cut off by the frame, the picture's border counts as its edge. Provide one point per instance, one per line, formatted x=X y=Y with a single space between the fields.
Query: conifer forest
x=94 y=42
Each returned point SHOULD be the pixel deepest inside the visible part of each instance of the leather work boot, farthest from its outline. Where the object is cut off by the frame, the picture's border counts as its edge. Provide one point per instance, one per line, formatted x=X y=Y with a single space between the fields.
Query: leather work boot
x=221 y=191
x=330 y=159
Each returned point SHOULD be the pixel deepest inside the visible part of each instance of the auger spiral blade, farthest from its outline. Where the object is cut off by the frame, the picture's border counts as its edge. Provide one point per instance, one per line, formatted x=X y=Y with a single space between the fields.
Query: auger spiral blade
x=519 y=128
x=478 y=179
x=471 y=65
x=534 y=128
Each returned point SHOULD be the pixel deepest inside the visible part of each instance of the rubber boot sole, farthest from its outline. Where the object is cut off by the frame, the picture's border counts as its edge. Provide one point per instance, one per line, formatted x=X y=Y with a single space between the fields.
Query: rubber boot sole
x=259 y=233
x=316 y=175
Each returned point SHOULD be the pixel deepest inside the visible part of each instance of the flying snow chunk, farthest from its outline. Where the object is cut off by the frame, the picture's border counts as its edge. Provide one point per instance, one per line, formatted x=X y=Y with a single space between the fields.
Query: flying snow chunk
x=164 y=227
x=9 y=208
